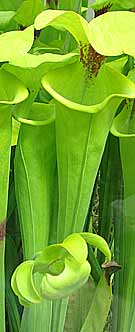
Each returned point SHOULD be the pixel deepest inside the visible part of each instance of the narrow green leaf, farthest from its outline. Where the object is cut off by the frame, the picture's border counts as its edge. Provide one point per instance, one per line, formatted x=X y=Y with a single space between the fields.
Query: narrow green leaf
x=119 y=246
x=78 y=307
x=38 y=317
x=99 y=308
x=124 y=127
x=108 y=190
x=11 y=262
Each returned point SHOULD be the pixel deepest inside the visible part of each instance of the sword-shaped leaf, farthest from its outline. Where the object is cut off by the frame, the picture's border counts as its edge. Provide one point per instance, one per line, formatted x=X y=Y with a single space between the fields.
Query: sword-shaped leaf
x=99 y=307
x=124 y=127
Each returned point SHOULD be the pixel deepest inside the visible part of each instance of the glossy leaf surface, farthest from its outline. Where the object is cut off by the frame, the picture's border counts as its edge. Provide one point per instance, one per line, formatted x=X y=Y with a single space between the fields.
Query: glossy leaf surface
x=11 y=262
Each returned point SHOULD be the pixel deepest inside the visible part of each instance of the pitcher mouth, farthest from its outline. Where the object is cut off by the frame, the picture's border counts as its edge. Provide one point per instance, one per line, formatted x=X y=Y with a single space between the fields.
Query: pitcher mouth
x=39 y=115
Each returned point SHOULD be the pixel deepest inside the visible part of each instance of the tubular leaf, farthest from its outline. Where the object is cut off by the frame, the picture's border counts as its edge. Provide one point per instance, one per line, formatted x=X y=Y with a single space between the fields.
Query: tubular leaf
x=35 y=172
x=12 y=91
x=77 y=168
